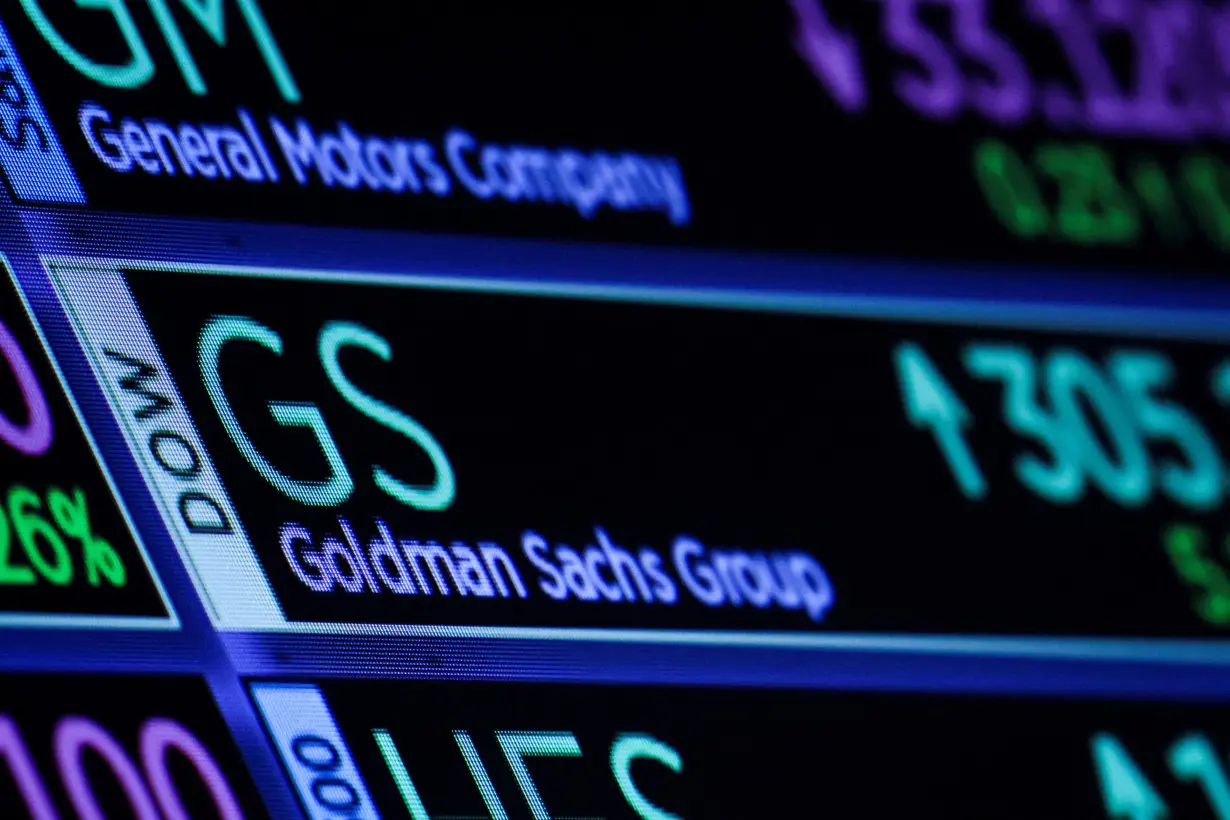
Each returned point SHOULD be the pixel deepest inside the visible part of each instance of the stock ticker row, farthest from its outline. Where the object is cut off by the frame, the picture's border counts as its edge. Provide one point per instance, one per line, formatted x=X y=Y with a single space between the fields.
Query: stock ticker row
x=610 y=412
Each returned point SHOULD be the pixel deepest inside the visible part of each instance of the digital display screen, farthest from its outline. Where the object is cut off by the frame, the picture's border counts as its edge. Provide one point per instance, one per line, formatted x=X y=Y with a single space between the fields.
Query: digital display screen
x=627 y=480
x=431 y=750
x=1073 y=132
x=644 y=411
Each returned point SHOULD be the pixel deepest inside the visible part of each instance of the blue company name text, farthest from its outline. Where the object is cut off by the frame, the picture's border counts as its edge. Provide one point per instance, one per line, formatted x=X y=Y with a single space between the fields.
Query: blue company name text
x=600 y=572
x=240 y=151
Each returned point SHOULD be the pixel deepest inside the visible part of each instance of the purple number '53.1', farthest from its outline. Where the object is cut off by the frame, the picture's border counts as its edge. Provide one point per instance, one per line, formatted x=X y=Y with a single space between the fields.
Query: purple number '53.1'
x=1179 y=83
x=1166 y=34
x=1006 y=98
x=1181 y=64
x=939 y=94
x=34 y=437
x=1179 y=51
x=1218 y=23
x=1172 y=94
x=1003 y=96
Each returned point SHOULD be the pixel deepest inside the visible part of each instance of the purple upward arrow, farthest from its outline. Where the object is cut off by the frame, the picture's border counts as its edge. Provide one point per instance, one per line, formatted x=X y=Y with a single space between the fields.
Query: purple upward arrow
x=832 y=55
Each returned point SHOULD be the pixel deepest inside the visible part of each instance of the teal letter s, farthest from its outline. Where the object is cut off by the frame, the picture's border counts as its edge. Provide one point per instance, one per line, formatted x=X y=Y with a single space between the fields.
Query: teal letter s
x=437 y=496
x=629 y=747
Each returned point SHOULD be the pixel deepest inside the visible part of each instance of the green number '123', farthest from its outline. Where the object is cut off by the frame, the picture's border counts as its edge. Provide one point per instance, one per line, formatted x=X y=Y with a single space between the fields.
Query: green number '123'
x=1048 y=403
x=1092 y=207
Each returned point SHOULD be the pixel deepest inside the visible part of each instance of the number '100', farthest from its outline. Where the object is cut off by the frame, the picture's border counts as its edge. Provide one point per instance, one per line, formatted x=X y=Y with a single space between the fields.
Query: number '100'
x=150 y=791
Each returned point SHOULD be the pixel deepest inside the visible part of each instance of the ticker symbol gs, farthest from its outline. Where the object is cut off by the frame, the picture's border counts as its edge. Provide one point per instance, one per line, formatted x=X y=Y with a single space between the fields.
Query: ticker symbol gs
x=139 y=68
x=221 y=331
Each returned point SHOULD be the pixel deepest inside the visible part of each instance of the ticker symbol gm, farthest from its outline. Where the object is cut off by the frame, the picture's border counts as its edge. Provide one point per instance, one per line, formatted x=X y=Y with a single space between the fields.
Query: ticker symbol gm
x=139 y=68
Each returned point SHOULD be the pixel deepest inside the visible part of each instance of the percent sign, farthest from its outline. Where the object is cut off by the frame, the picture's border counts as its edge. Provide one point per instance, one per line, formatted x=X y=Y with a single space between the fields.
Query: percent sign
x=71 y=517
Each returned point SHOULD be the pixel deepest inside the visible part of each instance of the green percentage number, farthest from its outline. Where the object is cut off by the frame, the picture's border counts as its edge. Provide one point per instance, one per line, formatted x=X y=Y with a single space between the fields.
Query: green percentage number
x=42 y=540
x=1155 y=192
x=1205 y=179
x=1010 y=189
x=1075 y=192
x=1092 y=208
x=1187 y=547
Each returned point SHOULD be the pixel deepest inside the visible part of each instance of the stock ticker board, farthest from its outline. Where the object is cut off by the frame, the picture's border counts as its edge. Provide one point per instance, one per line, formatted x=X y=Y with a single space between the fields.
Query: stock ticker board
x=626 y=411
x=1055 y=131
